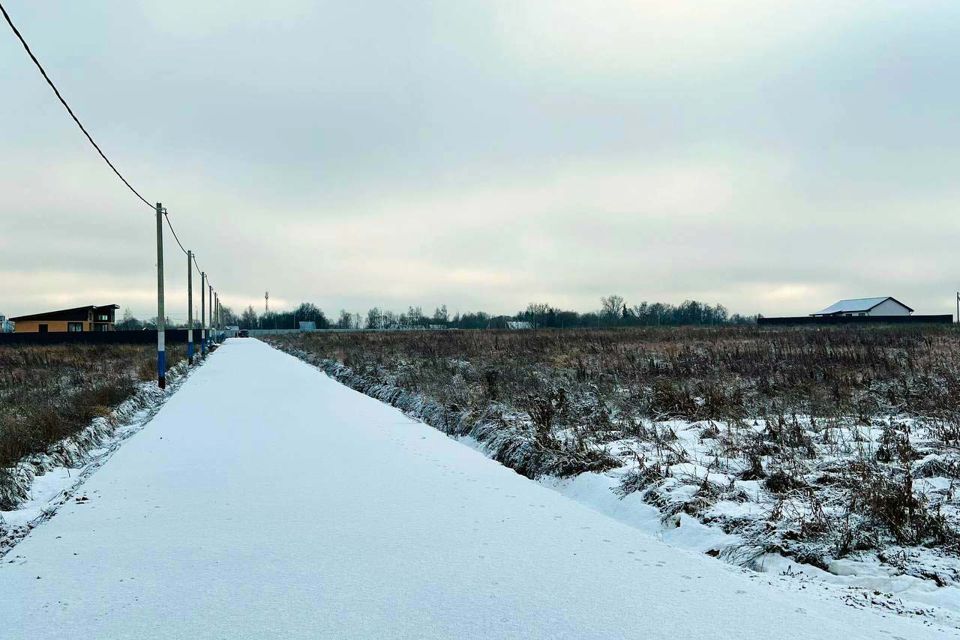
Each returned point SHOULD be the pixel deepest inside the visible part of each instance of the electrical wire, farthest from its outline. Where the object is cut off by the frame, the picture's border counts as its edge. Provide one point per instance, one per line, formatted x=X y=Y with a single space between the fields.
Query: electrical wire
x=201 y=271
x=86 y=133
x=166 y=217
x=192 y=255
x=197 y=265
x=43 y=72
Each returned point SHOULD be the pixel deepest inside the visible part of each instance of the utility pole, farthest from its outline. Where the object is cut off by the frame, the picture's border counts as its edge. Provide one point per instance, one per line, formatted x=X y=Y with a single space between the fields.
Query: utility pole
x=189 y=307
x=161 y=337
x=958 y=307
x=203 y=314
x=210 y=302
x=266 y=302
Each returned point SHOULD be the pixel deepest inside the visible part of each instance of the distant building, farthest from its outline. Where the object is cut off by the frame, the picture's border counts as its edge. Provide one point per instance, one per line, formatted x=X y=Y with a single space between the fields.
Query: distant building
x=77 y=320
x=519 y=324
x=5 y=325
x=307 y=326
x=886 y=306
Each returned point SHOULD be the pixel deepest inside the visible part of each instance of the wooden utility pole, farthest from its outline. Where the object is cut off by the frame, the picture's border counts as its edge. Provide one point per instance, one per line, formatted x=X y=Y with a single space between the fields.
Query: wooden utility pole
x=190 y=306
x=203 y=314
x=210 y=302
x=161 y=337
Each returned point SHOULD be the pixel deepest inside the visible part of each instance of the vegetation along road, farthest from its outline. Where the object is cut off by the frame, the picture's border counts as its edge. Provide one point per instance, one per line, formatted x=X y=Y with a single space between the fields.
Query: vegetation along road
x=266 y=500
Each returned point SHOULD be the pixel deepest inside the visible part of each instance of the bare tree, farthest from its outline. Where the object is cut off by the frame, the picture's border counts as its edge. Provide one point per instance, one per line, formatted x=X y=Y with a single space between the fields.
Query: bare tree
x=248 y=320
x=536 y=311
x=612 y=308
x=374 y=318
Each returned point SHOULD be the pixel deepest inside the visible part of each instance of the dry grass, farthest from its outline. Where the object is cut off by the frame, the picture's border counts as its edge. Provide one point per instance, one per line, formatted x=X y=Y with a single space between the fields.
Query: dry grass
x=831 y=425
x=689 y=373
x=48 y=393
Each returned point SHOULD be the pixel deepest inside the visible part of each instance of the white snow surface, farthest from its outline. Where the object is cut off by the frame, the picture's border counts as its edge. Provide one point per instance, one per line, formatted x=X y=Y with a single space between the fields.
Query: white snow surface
x=265 y=500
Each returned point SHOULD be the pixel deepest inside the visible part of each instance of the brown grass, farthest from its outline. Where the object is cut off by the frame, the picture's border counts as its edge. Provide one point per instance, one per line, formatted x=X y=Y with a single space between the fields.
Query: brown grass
x=690 y=373
x=50 y=392
x=785 y=406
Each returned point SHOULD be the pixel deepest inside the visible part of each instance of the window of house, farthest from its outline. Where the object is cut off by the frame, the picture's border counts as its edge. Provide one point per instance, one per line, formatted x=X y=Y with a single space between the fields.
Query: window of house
x=75 y=327
x=103 y=318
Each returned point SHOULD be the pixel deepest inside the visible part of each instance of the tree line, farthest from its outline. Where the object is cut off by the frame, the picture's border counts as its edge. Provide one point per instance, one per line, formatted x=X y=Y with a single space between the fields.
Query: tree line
x=613 y=312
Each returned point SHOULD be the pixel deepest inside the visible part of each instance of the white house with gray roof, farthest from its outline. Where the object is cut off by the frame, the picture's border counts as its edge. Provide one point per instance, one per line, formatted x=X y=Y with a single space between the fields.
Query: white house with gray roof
x=886 y=306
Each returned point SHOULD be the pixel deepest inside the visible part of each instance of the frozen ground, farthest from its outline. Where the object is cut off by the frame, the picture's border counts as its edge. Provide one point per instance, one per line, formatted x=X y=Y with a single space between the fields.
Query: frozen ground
x=44 y=481
x=861 y=511
x=266 y=500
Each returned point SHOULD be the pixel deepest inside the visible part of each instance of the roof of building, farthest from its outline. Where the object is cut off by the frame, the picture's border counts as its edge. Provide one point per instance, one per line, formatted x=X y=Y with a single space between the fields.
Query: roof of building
x=857 y=305
x=76 y=313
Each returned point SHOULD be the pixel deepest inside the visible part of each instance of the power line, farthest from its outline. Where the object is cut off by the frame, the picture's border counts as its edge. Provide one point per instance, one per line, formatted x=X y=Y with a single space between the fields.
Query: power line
x=67 y=106
x=161 y=366
x=82 y=128
x=192 y=255
x=166 y=217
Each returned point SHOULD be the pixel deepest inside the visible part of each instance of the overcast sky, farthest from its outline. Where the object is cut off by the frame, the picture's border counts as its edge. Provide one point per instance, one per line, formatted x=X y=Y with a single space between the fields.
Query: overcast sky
x=771 y=156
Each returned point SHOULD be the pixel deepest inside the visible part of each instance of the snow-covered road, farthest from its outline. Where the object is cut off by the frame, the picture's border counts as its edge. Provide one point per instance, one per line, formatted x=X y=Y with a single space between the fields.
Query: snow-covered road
x=267 y=501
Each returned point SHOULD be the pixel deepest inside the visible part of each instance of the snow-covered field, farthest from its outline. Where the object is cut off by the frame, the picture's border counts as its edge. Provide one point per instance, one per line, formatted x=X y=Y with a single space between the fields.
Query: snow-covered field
x=690 y=484
x=266 y=500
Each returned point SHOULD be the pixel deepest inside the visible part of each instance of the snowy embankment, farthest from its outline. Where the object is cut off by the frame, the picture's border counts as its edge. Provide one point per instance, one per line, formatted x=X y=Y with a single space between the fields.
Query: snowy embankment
x=265 y=500
x=698 y=508
x=39 y=484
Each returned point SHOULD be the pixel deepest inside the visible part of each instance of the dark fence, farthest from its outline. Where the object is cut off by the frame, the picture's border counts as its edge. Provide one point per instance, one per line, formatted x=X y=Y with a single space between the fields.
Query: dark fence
x=832 y=320
x=173 y=336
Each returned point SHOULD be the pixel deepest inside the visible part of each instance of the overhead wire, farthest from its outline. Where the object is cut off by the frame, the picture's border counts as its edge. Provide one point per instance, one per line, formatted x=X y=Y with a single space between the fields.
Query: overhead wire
x=174 y=232
x=60 y=97
x=89 y=137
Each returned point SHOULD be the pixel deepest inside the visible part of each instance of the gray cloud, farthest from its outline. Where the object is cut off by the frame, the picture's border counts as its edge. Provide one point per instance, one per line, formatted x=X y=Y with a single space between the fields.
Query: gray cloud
x=771 y=156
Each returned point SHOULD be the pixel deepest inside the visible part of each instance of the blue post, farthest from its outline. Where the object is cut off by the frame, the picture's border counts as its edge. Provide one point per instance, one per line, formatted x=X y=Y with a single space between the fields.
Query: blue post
x=190 y=307
x=203 y=314
x=161 y=342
